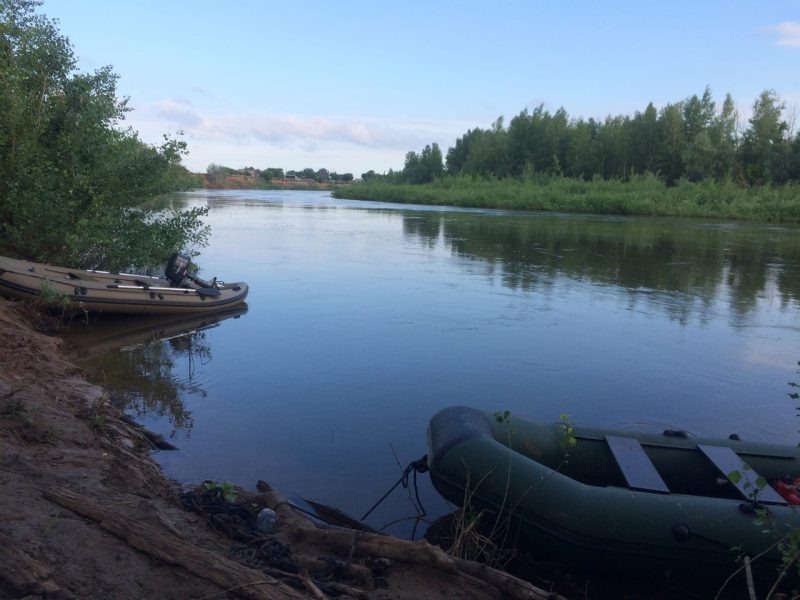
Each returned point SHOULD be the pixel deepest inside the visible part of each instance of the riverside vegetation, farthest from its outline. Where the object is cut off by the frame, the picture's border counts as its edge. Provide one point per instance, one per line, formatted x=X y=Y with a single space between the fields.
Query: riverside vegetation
x=72 y=180
x=639 y=195
x=686 y=159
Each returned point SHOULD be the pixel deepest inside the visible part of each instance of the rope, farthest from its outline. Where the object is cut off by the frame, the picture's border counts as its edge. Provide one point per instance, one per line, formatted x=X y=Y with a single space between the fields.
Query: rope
x=416 y=466
x=234 y=520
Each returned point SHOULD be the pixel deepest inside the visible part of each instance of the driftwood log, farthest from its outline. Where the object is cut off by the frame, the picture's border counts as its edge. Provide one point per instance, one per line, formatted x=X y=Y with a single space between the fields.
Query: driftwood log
x=227 y=574
x=349 y=543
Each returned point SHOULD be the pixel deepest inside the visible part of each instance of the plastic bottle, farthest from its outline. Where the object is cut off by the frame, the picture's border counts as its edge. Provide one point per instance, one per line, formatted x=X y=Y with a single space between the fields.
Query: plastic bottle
x=265 y=520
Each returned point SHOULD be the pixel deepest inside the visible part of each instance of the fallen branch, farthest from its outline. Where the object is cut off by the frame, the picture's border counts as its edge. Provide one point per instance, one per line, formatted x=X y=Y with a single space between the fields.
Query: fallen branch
x=299 y=528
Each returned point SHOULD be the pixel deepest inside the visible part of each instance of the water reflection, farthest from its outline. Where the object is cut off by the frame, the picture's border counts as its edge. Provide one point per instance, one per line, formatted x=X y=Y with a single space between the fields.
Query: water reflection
x=138 y=359
x=683 y=267
x=679 y=266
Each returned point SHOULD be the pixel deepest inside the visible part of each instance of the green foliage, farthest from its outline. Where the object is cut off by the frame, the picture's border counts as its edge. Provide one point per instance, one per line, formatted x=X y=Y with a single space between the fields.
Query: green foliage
x=272 y=173
x=502 y=417
x=762 y=144
x=424 y=167
x=225 y=490
x=691 y=139
x=751 y=485
x=639 y=195
x=51 y=298
x=568 y=439
x=341 y=177
x=217 y=174
x=70 y=177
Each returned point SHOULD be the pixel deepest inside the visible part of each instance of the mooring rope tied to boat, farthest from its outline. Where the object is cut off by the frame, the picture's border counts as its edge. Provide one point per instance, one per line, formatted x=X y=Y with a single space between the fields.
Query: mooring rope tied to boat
x=415 y=466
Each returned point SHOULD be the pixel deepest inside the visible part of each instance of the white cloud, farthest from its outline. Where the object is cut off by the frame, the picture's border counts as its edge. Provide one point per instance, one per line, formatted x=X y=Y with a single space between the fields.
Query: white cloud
x=180 y=113
x=788 y=33
x=339 y=143
x=290 y=129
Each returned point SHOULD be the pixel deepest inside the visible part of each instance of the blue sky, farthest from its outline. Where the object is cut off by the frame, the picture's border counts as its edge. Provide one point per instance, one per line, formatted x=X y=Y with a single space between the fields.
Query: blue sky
x=354 y=85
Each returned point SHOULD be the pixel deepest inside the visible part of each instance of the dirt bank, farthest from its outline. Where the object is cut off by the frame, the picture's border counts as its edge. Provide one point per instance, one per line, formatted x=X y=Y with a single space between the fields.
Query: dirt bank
x=86 y=513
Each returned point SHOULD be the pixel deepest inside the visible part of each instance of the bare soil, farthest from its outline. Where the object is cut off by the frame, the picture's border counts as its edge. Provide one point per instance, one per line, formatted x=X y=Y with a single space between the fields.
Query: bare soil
x=86 y=513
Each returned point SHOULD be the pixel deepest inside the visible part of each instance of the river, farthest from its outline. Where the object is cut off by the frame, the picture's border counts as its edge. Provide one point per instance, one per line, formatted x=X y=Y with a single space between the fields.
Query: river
x=365 y=318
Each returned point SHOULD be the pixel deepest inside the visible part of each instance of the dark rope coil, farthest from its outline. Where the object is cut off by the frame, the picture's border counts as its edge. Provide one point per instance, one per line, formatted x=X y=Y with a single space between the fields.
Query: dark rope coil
x=415 y=466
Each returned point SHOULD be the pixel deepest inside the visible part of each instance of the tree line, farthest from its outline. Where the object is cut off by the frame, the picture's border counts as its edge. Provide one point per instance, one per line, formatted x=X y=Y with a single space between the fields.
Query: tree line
x=216 y=172
x=694 y=140
x=72 y=179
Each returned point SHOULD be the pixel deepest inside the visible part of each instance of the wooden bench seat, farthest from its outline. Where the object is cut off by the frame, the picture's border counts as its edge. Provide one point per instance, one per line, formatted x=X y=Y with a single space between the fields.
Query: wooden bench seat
x=729 y=464
x=639 y=471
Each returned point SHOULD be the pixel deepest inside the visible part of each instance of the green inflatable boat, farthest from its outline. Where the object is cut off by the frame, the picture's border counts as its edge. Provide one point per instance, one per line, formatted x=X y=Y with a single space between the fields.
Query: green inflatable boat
x=618 y=498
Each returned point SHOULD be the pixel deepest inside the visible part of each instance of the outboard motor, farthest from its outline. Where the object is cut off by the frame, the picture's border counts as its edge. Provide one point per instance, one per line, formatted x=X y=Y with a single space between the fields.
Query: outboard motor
x=178 y=267
x=179 y=272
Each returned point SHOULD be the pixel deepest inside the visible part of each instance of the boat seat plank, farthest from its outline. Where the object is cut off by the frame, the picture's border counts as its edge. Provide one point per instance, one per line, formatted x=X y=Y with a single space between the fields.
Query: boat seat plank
x=80 y=275
x=639 y=471
x=728 y=462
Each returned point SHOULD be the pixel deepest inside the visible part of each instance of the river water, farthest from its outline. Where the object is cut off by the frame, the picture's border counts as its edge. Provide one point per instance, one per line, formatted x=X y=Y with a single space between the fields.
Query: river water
x=365 y=318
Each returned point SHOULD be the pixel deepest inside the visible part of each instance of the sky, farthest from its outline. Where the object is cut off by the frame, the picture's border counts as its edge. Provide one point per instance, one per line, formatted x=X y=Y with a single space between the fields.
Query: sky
x=352 y=86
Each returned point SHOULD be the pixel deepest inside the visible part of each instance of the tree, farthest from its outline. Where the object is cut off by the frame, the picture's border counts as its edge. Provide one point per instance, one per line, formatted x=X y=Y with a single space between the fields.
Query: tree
x=70 y=179
x=432 y=162
x=644 y=140
x=698 y=119
x=581 y=160
x=272 y=173
x=685 y=139
x=671 y=143
x=489 y=152
x=794 y=165
x=215 y=172
x=424 y=167
x=763 y=142
x=698 y=114
x=613 y=147
x=557 y=132
x=723 y=138
x=524 y=140
x=698 y=157
x=457 y=155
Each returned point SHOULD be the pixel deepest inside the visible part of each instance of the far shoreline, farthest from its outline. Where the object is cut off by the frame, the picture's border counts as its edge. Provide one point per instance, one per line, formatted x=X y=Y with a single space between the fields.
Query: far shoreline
x=253 y=182
x=640 y=196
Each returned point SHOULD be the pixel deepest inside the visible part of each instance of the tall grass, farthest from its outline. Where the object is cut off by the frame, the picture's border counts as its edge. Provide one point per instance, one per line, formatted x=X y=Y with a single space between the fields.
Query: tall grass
x=641 y=195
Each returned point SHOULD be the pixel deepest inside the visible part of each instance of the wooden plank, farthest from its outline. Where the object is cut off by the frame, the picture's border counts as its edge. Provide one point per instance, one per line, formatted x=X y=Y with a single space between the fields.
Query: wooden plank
x=636 y=466
x=740 y=474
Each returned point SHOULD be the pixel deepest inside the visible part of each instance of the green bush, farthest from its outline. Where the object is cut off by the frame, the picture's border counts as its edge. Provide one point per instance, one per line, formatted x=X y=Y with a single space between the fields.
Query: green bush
x=70 y=178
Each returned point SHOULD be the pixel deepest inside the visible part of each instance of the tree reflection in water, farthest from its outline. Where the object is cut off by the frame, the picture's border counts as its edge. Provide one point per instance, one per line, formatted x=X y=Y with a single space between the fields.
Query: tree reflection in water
x=681 y=267
x=148 y=365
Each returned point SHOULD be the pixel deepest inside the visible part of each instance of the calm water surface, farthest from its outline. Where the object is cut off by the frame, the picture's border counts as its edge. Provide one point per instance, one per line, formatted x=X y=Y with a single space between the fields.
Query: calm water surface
x=365 y=318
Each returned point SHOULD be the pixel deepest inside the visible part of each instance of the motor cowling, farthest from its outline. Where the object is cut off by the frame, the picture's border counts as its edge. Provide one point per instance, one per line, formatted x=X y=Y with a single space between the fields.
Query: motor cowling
x=178 y=268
